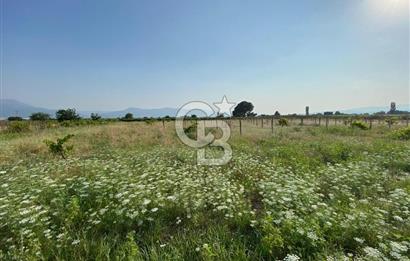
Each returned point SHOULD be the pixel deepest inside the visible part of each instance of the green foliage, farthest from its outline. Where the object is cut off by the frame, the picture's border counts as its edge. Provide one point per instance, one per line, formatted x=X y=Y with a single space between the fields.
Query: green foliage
x=402 y=134
x=149 y=121
x=18 y=127
x=359 y=125
x=130 y=249
x=39 y=116
x=243 y=109
x=67 y=115
x=58 y=147
x=191 y=130
x=272 y=243
x=283 y=122
x=391 y=121
x=128 y=116
x=95 y=116
x=14 y=118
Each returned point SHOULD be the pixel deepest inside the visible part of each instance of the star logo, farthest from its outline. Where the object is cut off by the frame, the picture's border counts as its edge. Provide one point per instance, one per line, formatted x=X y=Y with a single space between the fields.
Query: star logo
x=225 y=107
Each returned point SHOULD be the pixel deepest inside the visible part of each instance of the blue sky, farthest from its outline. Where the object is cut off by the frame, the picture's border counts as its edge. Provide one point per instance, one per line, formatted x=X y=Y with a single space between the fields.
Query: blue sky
x=280 y=55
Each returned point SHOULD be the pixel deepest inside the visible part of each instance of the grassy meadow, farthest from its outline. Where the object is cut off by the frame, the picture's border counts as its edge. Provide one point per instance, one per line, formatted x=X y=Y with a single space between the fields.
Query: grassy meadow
x=133 y=191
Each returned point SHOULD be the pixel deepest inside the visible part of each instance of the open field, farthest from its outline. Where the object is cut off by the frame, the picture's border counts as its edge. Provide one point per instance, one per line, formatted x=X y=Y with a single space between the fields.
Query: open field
x=132 y=190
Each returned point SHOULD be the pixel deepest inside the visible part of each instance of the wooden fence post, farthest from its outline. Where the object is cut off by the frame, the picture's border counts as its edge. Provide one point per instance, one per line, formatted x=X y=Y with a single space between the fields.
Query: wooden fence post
x=327 y=122
x=320 y=120
x=271 y=124
x=301 y=121
x=262 y=123
x=371 y=123
x=240 y=127
x=163 y=124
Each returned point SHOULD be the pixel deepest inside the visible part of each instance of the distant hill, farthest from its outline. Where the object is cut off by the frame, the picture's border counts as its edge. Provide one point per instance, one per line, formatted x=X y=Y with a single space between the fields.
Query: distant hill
x=402 y=107
x=9 y=107
x=139 y=113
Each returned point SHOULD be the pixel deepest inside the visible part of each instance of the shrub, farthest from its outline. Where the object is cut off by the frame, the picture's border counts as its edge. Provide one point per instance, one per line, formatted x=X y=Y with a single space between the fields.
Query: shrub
x=14 y=118
x=67 y=115
x=359 y=125
x=283 y=122
x=149 y=121
x=390 y=121
x=402 y=134
x=191 y=130
x=95 y=116
x=58 y=147
x=18 y=127
x=39 y=116
x=128 y=116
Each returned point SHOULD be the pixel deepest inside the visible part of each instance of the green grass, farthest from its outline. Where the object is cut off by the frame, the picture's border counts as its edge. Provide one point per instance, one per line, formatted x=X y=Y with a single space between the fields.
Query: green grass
x=132 y=191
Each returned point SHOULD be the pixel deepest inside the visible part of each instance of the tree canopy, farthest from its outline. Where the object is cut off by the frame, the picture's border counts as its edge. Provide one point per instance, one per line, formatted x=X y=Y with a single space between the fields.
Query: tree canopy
x=67 y=115
x=243 y=109
x=39 y=116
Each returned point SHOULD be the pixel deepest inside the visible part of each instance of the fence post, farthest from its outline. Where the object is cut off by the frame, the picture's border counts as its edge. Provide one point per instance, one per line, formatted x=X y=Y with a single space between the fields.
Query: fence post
x=327 y=122
x=271 y=124
x=371 y=123
x=320 y=120
x=407 y=121
x=262 y=123
x=240 y=127
x=301 y=121
x=163 y=124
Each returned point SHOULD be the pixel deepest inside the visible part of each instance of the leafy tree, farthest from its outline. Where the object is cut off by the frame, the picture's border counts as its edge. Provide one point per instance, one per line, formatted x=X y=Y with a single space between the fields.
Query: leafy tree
x=95 y=116
x=129 y=116
x=243 y=109
x=14 y=118
x=338 y=113
x=39 y=116
x=277 y=113
x=67 y=115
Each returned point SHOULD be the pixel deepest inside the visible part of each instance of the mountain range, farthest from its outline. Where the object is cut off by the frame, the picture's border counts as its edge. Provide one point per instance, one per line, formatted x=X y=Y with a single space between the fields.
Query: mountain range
x=9 y=107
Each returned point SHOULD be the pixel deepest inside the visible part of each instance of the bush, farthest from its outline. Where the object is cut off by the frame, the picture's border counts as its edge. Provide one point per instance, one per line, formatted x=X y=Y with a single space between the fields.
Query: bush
x=391 y=121
x=39 y=116
x=67 y=115
x=14 y=118
x=128 y=116
x=191 y=130
x=58 y=147
x=18 y=127
x=359 y=125
x=283 y=122
x=95 y=116
x=402 y=134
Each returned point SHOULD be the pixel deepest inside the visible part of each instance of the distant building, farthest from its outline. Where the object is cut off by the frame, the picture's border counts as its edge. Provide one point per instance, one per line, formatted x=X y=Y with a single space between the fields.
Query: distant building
x=307 y=110
x=392 y=107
